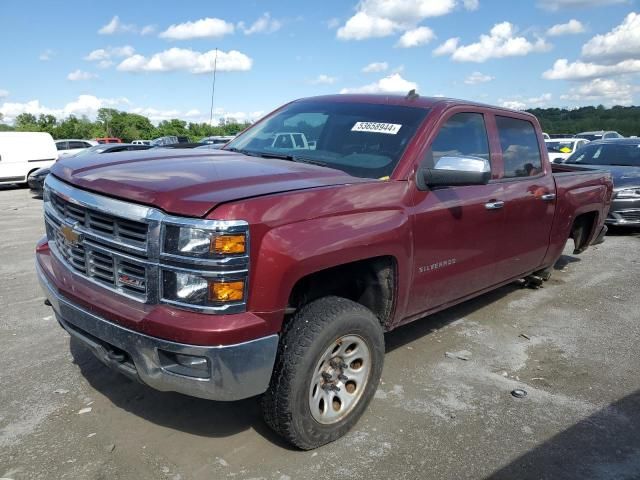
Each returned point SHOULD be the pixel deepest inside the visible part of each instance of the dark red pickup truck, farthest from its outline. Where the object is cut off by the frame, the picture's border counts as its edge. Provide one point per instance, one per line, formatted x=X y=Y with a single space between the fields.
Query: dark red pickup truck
x=274 y=266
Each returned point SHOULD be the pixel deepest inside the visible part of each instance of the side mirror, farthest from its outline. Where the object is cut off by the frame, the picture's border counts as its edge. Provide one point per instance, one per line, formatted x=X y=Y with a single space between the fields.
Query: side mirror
x=455 y=171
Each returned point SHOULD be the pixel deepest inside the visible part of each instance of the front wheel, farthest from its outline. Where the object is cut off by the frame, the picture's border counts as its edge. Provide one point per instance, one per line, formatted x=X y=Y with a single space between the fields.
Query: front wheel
x=328 y=368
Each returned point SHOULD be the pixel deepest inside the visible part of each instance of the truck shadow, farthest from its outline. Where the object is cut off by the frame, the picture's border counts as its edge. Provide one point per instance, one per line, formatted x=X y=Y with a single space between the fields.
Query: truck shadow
x=204 y=418
x=605 y=445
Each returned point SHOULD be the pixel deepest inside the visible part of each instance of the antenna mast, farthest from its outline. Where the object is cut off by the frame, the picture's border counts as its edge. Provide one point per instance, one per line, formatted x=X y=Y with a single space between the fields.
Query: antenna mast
x=213 y=87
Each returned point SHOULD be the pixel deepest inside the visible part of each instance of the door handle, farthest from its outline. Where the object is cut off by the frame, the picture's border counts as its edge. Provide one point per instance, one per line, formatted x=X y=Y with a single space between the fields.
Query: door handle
x=496 y=205
x=548 y=197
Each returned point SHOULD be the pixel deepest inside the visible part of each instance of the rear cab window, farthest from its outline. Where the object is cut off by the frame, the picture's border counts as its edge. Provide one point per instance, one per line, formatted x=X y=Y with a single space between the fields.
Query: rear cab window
x=520 y=148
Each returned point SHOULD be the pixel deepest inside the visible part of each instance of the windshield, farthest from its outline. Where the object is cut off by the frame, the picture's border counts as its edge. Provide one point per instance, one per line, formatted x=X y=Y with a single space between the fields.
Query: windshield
x=560 y=147
x=608 y=154
x=361 y=139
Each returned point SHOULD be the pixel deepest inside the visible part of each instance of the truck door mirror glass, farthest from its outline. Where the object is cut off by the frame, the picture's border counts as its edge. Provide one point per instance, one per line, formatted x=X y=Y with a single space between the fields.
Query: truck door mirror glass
x=464 y=164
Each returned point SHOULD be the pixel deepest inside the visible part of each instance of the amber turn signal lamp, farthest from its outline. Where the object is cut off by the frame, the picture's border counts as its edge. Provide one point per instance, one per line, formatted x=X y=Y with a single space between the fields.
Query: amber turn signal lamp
x=226 y=291
x=226 y=244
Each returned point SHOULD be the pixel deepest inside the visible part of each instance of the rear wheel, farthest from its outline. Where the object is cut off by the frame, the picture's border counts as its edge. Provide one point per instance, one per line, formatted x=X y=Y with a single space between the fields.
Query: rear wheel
x=328 y=368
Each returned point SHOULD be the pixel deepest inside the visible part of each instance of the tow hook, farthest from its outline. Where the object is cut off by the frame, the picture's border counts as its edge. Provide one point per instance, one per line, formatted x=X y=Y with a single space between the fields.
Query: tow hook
x=116 y=356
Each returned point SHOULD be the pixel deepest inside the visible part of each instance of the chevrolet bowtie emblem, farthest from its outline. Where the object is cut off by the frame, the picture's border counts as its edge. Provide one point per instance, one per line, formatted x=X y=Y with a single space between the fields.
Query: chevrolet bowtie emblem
x=70 y=234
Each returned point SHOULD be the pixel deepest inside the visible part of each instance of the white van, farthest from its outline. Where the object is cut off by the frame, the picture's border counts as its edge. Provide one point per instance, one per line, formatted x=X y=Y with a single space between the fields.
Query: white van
x=22 y=153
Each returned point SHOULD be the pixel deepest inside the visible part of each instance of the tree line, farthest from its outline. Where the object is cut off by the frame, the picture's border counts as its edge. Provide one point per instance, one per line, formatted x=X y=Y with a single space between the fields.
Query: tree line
x=115 y=123
x=131 y=126
x=624 y=120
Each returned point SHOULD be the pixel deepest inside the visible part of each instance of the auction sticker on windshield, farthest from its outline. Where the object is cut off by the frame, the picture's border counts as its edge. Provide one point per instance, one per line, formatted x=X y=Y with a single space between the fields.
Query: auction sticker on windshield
x=375 y=127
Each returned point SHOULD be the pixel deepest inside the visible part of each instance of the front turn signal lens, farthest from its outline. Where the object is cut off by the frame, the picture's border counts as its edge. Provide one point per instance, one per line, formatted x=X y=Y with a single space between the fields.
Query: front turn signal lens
x=229 y=244
x=226 y=291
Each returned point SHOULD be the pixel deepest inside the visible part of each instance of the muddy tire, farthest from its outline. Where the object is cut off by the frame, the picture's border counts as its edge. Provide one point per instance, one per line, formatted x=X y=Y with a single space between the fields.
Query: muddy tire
x=327 y=370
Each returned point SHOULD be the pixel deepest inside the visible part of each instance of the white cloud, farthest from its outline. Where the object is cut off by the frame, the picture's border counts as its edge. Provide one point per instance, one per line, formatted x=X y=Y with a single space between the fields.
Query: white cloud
x=116 y=26
x=554 y=5
x=579 y=70
x=381 y=18
x=323 y=80
x=622 y=42
x=605 y=91
x=175 y=59
x=471 y=4
x=203 y=28
x=84 y=105
x=523 y=103
x=393 y=83
x=148 y=30
x=375 y=67
x=4 y=93
x=416 y=37
x=513 y=104
x=447 y=48
x=47 y=55
x=109 y=52
x=89 y=105
x=478 y=77
x=265 y=24
x=78 y=75
x=333 y=23
x=501 y=42
x=572 y=27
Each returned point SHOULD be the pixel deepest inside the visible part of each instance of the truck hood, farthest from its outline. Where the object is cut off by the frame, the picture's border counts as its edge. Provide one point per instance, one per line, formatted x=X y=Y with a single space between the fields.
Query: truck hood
x=191 y=183
x=622 y=176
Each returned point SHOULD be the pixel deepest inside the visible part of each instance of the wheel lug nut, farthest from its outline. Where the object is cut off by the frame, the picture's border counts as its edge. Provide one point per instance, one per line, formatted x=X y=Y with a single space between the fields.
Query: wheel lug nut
x=326 y=376
x=342 y=378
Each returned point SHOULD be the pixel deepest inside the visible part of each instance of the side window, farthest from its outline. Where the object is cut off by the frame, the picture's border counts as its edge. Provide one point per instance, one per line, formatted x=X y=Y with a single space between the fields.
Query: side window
x=62 y=146
x=76 y=145
x=461 y=141
x=520 y=150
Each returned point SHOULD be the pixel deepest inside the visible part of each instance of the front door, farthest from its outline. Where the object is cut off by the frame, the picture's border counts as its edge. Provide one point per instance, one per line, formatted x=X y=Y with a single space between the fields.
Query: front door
x=456 y=229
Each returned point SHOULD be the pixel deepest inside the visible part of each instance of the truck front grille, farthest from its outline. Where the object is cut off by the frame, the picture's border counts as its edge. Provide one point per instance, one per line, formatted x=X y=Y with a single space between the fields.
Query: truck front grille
x=101 y=223
x=99 y=264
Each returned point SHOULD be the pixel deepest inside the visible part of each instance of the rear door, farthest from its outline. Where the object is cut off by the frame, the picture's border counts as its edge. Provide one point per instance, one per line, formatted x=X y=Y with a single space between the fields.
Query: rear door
x=456 y=229
x=529 y=197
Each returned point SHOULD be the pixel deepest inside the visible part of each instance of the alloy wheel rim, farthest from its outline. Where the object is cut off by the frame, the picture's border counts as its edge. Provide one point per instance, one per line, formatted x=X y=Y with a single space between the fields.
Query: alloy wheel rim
x=339 y=379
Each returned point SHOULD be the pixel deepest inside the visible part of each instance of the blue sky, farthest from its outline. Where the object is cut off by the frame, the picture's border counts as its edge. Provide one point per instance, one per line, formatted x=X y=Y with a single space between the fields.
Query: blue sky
x=155 y=57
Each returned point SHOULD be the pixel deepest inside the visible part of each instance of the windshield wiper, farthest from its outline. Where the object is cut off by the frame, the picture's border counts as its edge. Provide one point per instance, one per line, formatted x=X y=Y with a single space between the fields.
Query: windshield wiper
x=292 y=158
x=243 y=152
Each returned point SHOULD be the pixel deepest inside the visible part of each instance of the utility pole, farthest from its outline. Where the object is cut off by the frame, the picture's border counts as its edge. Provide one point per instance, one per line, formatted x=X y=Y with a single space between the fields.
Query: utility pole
x=213 y=87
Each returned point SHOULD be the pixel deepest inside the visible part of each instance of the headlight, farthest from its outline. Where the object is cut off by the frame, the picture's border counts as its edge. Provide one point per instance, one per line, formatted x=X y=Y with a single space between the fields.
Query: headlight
x=628 y=193
x=194 y=289
x=198 y=242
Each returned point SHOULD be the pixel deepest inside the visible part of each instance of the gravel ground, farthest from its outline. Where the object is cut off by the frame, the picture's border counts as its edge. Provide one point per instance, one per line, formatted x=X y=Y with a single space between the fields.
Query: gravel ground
x=443 y=410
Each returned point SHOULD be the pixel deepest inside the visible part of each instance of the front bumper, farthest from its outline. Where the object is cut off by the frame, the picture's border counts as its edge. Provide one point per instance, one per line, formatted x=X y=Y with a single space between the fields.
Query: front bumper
x=624 y=212
x=234 y=371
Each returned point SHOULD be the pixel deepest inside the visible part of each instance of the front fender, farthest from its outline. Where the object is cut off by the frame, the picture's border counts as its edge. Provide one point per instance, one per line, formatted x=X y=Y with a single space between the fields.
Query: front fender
x=290 y=252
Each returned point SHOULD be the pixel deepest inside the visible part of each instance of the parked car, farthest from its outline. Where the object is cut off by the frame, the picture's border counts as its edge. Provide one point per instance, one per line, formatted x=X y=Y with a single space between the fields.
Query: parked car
x=561 y=148
x=561 y=135
x=108 y=140
x=72 y=146
x=599 y=135
x=218 y=141
x=111 y=148
x=260 y=270
x=22 y=153
x=141 y=142
x=546 y=136
x=621 y=158
x=36 y=180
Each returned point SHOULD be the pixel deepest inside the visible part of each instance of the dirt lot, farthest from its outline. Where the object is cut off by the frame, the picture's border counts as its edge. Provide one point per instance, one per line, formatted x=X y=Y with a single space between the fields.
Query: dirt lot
x=443 y=410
